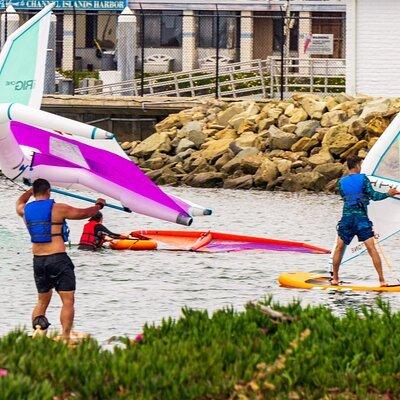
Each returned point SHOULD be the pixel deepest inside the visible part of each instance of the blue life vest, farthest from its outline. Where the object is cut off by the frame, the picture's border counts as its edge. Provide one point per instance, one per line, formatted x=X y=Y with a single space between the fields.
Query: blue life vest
x=38 y=221
x=352 y=187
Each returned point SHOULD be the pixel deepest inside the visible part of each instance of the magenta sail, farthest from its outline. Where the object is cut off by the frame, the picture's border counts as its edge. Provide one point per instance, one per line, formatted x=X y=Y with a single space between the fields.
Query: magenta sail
x=68 y=160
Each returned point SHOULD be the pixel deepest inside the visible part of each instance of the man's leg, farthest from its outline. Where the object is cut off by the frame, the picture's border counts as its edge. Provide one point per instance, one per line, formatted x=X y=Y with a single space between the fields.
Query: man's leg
x=43 y=302
x=336 y=260
x=67 y=312
x=376 y=259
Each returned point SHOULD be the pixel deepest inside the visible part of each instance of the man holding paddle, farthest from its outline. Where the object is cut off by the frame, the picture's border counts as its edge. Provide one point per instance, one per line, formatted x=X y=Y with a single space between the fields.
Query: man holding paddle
x=52 y=267
x=356 y=191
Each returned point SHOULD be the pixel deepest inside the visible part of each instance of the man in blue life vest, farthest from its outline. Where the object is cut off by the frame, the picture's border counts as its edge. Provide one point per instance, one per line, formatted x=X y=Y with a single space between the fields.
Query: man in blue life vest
x=52 y=267
x=356 y=191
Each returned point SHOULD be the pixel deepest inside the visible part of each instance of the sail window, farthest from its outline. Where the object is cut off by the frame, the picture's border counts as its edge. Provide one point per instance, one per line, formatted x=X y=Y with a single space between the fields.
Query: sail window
x=389 y=165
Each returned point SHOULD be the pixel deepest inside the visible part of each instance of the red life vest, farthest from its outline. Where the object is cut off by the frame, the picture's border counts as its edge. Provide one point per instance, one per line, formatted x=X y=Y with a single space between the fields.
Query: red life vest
x=88 y=237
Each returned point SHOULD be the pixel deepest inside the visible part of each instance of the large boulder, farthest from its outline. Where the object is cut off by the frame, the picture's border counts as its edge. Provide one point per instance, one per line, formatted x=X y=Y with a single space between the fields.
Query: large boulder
x=284 y=166
x=305 y=180
x=235 y=164
x=169 y=122
x=183 y=145
x=333 y=118
x=266 y=173
x=274 y=112
x=322 y=157
x=208 y=179
x=265 y=123
x=154 y=163
x=291 y=128
x=281 y=140
x=313 y=106
x=377 y=125
x=357 y=127
x=214 y=149
x=224 y=116
x=192 y=126
x=251 y=163
x=340 y=143
x=375 y=106
x=304 y=144
x=298 y=116
x=158 y=141
x=242 y=182
x=307 y=128
x=362 y=144
x=224 y=159
x=330 y=170
x=247 y=139
x=226 y=133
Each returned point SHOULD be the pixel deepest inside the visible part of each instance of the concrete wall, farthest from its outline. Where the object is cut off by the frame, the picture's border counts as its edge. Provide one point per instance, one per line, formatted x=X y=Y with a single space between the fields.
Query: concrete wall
x=372 y=53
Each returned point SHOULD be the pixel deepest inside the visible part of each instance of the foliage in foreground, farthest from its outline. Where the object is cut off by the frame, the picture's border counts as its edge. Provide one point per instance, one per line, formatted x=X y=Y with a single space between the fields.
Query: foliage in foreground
x=229 y=355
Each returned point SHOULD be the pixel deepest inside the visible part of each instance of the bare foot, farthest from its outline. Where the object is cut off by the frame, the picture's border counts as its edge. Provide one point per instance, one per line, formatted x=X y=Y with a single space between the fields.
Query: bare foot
x=383 y=284
x=334 y=282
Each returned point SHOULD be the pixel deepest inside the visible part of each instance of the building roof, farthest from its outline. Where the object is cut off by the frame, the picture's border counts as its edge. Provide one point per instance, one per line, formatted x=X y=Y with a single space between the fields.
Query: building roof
x=240 y=5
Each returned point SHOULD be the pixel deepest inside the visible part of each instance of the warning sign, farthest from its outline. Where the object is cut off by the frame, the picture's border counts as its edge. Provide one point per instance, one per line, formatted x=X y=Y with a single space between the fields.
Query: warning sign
x=318 y=43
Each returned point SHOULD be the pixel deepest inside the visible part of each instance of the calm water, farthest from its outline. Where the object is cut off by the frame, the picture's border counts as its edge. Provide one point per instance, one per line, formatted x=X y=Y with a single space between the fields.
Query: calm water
x=119 y=291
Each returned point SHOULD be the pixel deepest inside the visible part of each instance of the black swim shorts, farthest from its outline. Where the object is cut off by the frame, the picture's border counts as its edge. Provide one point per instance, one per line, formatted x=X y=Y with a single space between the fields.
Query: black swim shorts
x=54 y=271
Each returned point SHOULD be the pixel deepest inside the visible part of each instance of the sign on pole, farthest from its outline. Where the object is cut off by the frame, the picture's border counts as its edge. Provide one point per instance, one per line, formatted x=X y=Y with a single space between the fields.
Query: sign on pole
x=318 y=43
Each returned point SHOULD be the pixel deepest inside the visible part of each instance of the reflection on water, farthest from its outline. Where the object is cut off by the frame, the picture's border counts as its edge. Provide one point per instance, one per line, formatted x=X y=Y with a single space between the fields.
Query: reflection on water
x=119 y=291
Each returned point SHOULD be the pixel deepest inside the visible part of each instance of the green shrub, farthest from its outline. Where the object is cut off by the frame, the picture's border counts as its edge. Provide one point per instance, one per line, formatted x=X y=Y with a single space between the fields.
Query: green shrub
x=227 y=355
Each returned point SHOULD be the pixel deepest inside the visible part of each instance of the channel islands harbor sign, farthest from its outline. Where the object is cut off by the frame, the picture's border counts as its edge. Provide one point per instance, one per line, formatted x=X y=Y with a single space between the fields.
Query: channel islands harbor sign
x=98 y=5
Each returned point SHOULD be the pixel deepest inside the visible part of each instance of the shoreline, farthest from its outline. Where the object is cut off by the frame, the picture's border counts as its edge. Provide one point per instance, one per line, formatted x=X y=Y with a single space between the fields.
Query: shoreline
x=291 y=145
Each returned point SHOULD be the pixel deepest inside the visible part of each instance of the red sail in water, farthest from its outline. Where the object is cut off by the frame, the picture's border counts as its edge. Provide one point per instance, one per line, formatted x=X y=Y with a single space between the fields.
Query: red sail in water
x=214 y=242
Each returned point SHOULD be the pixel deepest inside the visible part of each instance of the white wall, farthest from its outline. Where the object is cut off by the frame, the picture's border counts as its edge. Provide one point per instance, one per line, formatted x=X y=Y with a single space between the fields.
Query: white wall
x=373 y=47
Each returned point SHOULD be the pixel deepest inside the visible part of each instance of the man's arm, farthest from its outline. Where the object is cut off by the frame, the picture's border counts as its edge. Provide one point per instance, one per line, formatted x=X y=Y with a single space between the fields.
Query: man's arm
x=69 y=212
x=21 y=202
x=377 y=196
x=101 y=230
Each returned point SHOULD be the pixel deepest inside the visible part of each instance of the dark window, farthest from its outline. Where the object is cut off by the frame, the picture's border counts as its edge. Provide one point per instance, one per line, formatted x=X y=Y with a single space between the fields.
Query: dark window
x=228 y=30
x=59 y=38
x=294 y=33
x=91 y=29
x=162 y=28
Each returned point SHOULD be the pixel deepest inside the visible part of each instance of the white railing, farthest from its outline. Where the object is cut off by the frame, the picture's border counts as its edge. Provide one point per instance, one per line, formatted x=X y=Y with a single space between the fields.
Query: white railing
x=256 y=78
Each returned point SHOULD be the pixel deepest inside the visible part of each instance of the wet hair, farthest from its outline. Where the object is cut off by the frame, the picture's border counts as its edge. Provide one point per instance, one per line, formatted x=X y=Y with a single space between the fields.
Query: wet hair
x=353 y=161
x=96 y=217
x=40 y=187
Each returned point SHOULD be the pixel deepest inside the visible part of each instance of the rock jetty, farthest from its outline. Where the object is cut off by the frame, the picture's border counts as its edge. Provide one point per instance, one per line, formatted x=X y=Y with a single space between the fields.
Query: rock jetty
x=291 y=145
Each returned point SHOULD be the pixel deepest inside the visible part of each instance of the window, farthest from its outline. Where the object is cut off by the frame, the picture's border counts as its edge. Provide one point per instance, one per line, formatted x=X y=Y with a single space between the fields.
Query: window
x=91 y=29
x=162 y=28
x=294 y=33
x=228 y=30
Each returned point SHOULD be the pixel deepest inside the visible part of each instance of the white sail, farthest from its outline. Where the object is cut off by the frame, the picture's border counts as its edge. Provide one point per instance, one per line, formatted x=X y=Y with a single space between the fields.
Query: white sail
x=23 y=59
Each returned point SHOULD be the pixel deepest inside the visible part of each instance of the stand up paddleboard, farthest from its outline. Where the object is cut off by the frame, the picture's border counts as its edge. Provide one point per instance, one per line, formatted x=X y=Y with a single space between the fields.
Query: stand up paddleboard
x=308 y=280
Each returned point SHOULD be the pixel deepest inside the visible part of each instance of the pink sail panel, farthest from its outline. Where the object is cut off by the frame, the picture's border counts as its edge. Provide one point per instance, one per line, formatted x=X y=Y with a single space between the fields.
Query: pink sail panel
x=54 y=149
x=214 y=242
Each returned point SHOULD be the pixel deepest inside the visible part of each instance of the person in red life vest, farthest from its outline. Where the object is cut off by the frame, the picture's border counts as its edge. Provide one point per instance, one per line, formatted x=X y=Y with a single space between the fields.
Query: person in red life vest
x=95 y=233
x=53 y=269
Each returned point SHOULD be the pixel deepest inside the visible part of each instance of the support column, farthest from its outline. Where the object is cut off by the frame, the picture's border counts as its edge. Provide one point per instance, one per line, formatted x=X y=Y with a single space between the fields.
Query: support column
x=305 y=30
x=9 y=23
x=189 y=50
x=50 y=69
x=67 y=63
x=351 y=47
x=246 y=36
x=126 y=44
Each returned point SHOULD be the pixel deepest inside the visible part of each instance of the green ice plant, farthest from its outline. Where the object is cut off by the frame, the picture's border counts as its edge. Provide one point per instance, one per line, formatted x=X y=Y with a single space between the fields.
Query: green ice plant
x=313 y=355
